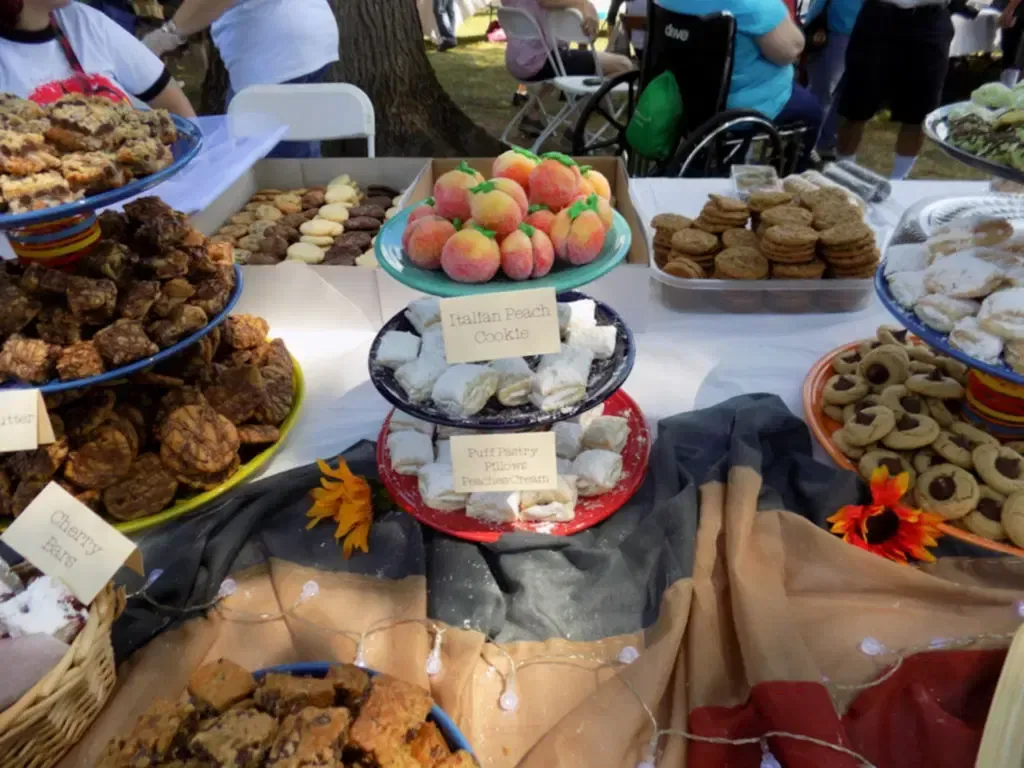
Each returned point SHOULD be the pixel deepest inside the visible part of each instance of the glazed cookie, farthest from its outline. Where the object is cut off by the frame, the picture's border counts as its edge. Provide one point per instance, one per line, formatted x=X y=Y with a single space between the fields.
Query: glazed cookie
x=1001 y=468
x=741 y=263
x=901 y=400
x=1013 y=518
x=925 y=459
x=946 y=412
x=844 y=390
x=868 y=401
x=842 y=440
x=911 y=432
x=955 y=449
x=948 y=491
x=870 y=425
x=936 y=384
x=885 y=366
x=895 y=463
x=986 y=519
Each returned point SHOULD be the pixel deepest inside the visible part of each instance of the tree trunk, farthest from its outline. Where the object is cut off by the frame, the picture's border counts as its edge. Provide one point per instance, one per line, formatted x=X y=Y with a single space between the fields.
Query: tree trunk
x=382 y=52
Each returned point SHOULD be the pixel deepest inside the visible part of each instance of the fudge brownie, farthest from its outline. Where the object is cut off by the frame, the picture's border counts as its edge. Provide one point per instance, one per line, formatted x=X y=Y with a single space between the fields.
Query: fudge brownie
x=428 y=746
x=393 y=710
x=239 y=738
x=313 y=738
x=220 y=685
x=282 y=695
x=350 y=685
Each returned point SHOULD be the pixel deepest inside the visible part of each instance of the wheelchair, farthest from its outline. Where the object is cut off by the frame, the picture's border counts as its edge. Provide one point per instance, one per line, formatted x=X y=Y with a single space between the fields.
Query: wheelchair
x=698 y=50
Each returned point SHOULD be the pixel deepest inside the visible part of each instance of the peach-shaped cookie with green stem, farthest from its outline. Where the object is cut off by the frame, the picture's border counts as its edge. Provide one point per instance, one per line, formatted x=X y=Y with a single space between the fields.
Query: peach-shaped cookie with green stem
x=495 y=209
x=541 y=217
x=471 y=255
x=411 y=223
x=513 y=190
x=555 y=182
x=596 y=182
x=525 y=253
x=421 y=209
x=516 y=164
x=578 y=234
x=451 y=191
x=426 y=241
x=599 y=204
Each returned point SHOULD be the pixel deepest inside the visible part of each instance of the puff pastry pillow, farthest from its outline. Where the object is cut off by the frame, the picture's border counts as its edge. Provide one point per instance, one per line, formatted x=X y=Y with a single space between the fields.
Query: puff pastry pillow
x=494 y=506
x=424 y=313
x=404 y=422
x=397 y=348
x=608 y=433
x=573 y=315
x=568 y=439
x=597 y=472
x=557 y=505
x=437 y=488
x=432 y=342
x=464 y=389
x=586 y=417
x=515 y=380
x=557 y=387
x=599 y=339
x=418 y=377
x=578 y=359
x=409 y=451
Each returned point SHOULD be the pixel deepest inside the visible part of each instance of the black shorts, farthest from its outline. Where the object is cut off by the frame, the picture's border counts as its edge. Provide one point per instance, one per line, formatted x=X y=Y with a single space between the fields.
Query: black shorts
x=575 y=61
x=898 y=57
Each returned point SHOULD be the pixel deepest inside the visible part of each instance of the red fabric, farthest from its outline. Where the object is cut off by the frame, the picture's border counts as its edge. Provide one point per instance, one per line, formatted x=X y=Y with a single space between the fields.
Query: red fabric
x=929 y=714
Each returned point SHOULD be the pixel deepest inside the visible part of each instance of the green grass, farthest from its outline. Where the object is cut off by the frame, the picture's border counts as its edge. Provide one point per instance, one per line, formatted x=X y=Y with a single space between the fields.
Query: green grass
x=474 y=74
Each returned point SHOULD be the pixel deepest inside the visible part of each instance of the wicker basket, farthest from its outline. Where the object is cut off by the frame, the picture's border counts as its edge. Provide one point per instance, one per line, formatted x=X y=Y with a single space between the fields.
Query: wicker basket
x=52 y=716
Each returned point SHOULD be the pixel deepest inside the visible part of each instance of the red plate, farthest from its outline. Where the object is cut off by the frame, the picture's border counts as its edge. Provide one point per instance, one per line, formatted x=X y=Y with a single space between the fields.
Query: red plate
x=591 y=511
x=822 y=428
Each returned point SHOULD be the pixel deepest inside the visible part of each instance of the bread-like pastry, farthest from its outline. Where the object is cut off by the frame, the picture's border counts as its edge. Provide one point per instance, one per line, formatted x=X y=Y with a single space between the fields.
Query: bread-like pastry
x=578 y=359
x=409 y=451
x=568 y=439
x=418 y=377
x=432 y=342
x=423 y=313
x=969 y=336
x=494 y=506
x=564 y=466
x=608 y=433
x=404 y=422
x=597 y=472
x=586 y=417
x=437 y=487
x=942 y=312
x=557 y=504
x=557 y=387
x=464 y=389
x=515 y=380
x=963 y=276
x=913 y=257
x=573 y=315
x=443 y=450
x=908 y=288
x=600 y=340
x=1002 y=314
x=397 y=348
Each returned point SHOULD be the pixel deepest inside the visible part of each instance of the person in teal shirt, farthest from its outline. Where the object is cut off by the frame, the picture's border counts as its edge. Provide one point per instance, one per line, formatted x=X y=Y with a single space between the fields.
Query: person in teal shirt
x=768 y=44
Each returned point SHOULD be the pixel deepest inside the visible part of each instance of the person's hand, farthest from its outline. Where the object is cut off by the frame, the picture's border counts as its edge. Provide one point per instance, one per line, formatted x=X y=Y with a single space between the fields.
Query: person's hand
x=161 y=41
x=590 y=21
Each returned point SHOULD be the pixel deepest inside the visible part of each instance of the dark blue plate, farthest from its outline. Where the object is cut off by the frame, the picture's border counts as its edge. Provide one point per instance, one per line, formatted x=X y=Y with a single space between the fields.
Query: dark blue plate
x=187 y=146
x=936 y=339
x=606 y=376
x=444 y=723
x=58 y=386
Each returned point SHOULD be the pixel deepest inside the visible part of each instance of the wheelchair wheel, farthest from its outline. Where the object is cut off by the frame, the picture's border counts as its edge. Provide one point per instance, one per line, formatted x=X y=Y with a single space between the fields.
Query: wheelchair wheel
x=732 y=137
x=601 y=126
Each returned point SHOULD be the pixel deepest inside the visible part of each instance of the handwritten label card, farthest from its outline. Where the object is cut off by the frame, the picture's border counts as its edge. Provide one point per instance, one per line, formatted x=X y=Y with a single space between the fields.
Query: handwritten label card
x=65 y=539
x=517 y=462
x=24 y=423
x=491 y=326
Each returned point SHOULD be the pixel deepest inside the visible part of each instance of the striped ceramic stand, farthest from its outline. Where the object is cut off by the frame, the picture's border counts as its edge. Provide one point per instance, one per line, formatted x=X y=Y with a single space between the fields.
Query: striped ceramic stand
x=56 y=243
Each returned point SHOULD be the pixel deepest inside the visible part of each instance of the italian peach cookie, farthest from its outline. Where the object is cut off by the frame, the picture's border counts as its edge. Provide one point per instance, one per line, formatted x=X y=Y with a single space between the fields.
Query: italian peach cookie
x=948 y=491
x=1013 y=518
x=986 y=519
x=870 y=425
x=1001 y=468
x=911 y=432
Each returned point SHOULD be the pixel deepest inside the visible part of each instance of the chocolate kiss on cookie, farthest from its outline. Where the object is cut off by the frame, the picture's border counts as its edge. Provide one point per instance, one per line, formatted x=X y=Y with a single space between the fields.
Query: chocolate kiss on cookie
x=949 y=491
x=1000 y=468
x=987 y=518
x=844 y=390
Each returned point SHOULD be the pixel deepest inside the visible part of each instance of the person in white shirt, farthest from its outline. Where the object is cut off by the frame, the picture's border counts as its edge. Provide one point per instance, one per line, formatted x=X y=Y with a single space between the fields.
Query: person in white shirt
x=262 y=42
x=50 y=48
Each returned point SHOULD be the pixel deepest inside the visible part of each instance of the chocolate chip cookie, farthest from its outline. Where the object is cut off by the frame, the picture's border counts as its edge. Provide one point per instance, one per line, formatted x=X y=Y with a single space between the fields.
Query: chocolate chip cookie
x=948 y=491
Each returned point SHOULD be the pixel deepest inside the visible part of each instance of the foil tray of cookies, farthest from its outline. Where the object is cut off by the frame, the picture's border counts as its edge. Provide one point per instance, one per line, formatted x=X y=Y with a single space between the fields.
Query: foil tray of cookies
x=142 y=446
x=777 y=251
x=894 y=402
x=83 y=149
x=334 y=225
x=151 y=286
x=959 y=285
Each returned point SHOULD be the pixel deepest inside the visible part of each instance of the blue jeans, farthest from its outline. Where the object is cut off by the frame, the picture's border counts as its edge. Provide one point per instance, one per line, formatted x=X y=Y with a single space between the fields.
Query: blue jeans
x=119 y=13
x=825 y=70
x=444 y=14
x=296 y=149
x=802 y=107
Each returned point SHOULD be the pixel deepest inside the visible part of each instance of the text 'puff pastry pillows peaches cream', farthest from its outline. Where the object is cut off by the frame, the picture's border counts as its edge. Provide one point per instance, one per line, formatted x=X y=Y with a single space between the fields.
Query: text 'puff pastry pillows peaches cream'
x=533 y=212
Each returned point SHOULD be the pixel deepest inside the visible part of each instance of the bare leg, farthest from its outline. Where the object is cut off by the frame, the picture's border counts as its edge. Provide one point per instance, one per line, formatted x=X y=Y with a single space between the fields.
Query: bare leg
x=850 y=134
x=614 y=64
x=909 y=140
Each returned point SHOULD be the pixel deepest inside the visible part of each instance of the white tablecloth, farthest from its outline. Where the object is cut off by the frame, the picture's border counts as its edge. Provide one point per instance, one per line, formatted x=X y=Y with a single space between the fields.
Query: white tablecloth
x=684 y=361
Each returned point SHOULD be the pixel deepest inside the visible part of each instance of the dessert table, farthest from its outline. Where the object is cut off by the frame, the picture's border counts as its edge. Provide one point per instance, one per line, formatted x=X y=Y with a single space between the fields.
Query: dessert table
x=684 y=361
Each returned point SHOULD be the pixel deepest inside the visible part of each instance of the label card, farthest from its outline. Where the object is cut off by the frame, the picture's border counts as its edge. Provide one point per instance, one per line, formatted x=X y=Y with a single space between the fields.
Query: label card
x=492 y=326
x=516 y=462
x=65 y=539
x=24 y=423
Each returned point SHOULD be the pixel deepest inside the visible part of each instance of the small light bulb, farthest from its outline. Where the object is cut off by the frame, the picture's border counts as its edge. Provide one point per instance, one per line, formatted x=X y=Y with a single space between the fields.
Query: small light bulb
x=871 y=647
x=1020 y=608
x=155 y=574
x=509 y=702
x=227 y=588
x=360 y=660
x=433 y=665
x=646 y=764
x=628 y=655
x=309 y=590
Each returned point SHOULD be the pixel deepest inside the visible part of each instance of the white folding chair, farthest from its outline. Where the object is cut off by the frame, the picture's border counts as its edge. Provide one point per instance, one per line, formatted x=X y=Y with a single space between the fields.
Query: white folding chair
x=312 y=112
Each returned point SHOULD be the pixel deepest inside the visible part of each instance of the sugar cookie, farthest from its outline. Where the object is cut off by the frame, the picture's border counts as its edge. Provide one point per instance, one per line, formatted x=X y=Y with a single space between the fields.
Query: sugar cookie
x=306 y=252
x=333 y=212
x=321 y=241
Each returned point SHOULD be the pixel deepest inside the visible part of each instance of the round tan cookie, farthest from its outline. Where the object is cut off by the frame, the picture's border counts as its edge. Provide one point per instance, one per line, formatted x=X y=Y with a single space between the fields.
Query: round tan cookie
x=306 y=252
x=268 y=212
x=911 y=432
x=1002 y=469
x=948 y=491
x=986 y=519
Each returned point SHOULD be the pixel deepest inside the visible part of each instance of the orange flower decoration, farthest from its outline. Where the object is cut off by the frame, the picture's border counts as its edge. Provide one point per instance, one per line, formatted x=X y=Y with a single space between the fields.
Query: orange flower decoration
x=348 y=502
x=887 y=527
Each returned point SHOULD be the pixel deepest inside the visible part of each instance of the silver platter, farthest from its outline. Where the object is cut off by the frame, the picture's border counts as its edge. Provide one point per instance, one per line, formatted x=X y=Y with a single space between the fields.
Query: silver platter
x=936 y=128
x=936 y=213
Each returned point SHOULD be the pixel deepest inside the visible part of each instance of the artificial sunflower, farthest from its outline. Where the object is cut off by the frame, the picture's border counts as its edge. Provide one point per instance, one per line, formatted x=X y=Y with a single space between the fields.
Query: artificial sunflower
x=886 y=526
x=348 y=500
